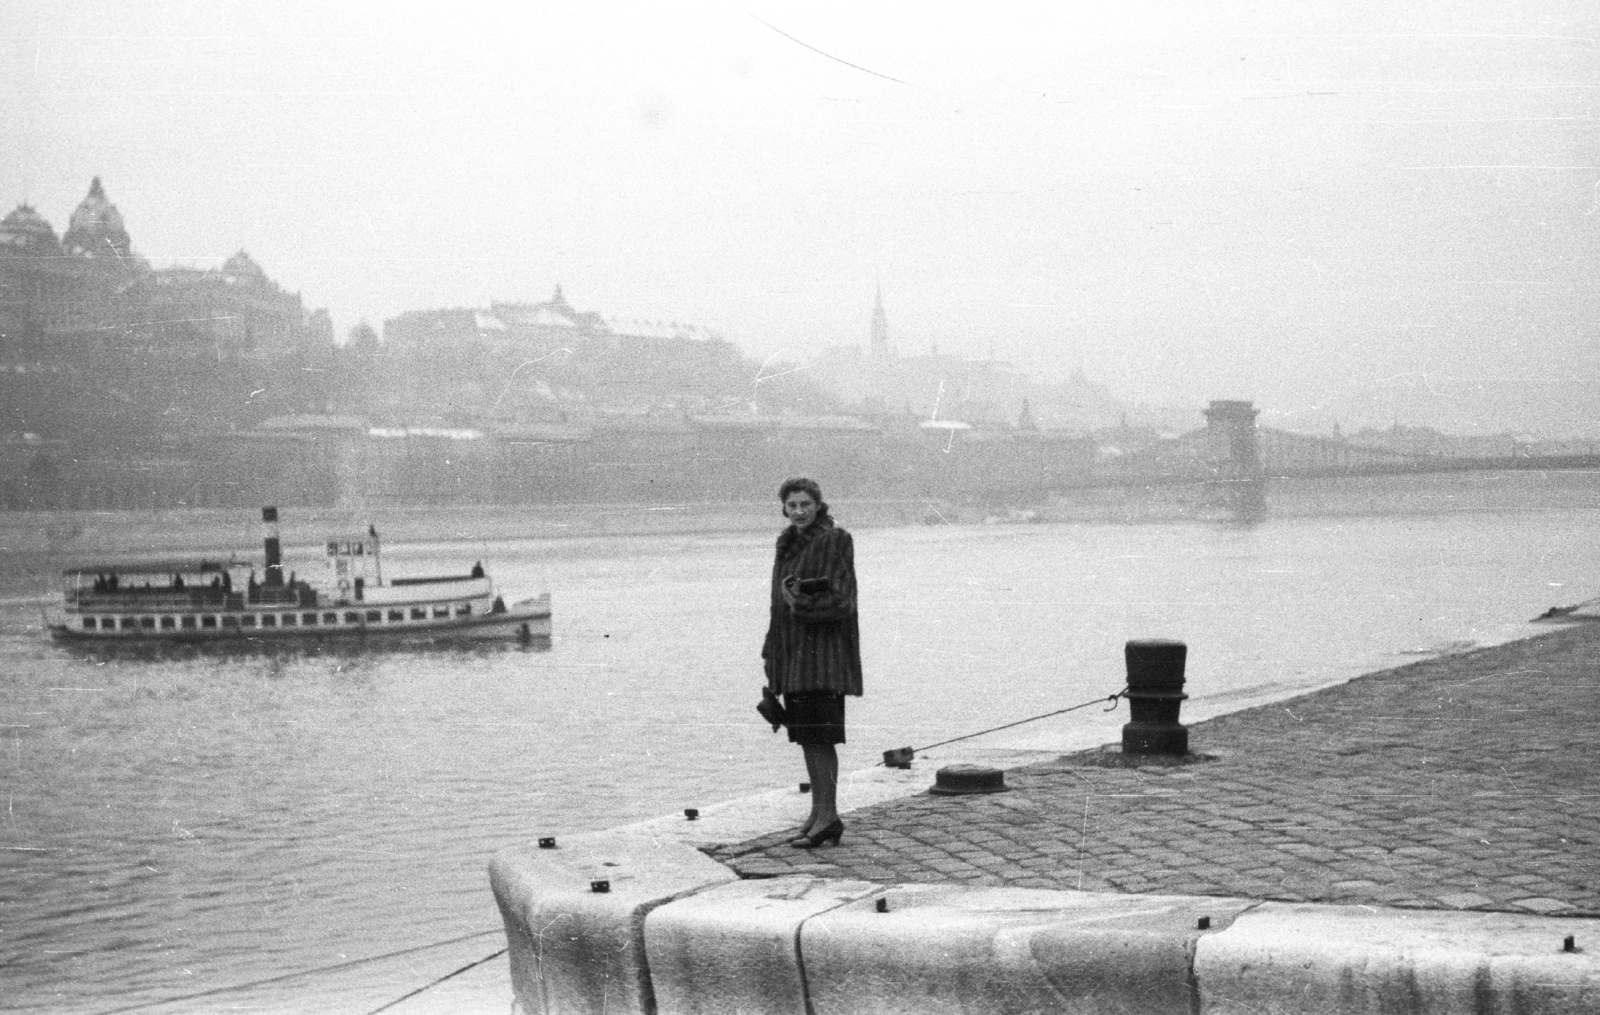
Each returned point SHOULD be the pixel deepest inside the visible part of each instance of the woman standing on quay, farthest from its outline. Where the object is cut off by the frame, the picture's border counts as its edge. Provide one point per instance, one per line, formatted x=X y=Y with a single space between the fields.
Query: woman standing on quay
x=813 y=646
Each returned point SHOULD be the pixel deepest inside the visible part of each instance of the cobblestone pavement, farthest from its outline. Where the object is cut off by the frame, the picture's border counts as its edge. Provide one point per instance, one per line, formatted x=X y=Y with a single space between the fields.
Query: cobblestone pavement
x=1469 y=781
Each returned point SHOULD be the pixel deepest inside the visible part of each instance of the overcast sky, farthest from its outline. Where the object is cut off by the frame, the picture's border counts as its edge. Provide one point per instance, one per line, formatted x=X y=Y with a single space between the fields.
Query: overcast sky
x=1338 y=209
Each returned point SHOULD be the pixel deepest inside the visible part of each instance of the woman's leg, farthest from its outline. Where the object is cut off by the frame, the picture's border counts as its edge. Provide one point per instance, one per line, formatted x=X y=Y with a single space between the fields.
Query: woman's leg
x=822 y=761
x=814 y=777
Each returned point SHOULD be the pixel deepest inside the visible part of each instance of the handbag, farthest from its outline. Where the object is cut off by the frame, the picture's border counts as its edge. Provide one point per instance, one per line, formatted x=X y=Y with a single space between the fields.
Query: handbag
x=771 y=709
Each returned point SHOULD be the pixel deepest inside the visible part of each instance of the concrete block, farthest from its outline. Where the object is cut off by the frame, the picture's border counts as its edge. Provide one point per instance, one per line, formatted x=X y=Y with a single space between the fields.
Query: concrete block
x=736 y=947
x=996 y=951
x=1286 y=959
x=574 y=950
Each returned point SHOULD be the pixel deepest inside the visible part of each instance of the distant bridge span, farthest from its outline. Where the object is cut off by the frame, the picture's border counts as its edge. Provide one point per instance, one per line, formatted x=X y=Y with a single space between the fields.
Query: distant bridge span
x=1231 y=448
x=1284 y=454
x=1421 y=465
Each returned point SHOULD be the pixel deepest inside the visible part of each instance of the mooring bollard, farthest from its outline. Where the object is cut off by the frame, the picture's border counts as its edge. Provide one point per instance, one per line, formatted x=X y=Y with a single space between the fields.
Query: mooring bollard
x=1155 y=694
x=958 y=780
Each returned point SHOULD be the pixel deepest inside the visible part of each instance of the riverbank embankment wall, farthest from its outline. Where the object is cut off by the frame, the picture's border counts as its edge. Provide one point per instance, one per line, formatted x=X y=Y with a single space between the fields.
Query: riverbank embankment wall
x=220 y=530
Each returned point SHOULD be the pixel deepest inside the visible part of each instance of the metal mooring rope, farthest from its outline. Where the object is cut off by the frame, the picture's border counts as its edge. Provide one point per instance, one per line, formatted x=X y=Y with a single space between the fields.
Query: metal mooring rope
x=435 y=983
x=906 y=752
x=313 y=972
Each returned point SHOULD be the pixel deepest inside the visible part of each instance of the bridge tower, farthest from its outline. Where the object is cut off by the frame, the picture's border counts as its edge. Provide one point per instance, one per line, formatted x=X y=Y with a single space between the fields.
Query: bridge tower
x=1231 y=425
x=1240 y=478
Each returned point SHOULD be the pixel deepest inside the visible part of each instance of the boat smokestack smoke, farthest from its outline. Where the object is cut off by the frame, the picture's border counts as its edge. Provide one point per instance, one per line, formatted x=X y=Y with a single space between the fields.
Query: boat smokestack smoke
x=273 y=548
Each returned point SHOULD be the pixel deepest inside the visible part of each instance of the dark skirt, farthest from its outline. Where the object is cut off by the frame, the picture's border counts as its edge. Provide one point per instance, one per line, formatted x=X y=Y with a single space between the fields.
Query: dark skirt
x=814 y=717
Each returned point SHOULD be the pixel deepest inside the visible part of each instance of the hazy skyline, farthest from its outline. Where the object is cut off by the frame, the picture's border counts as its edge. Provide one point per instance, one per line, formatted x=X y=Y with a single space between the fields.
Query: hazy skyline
x=1342 y=211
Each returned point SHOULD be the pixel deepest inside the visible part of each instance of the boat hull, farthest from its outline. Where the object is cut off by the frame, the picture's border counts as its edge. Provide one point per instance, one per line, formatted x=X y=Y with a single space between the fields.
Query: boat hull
x=527 y=621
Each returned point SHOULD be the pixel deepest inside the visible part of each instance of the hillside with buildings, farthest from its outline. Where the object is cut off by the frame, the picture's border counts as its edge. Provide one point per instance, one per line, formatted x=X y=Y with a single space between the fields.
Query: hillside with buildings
x=127 y=385
x=99 y=348
x=130 y=386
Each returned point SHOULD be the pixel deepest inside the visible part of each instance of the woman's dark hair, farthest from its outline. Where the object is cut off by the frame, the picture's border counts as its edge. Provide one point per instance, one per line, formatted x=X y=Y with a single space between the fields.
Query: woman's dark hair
x=797 y=483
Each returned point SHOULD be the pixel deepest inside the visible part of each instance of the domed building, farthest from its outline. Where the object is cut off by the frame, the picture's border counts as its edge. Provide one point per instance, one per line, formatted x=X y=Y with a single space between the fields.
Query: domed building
x=242 y=268
x=96 y=228
x=93 y=340
x=34 y=280
x=52 y=289
x=25 y=233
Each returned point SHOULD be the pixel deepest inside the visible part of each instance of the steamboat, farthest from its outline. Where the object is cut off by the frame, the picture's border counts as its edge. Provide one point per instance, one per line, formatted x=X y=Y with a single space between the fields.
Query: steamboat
x=198 y=600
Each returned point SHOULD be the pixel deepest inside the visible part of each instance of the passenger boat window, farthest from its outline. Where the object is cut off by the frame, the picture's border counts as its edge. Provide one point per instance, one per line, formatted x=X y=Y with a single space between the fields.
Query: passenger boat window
x=147 y=622
x=441 y=611
x=188 y=623
x=127 y=623
x=269 y=620
x=208 y=621
x=464 y=610
x=373 y=616
x=308 y=620
x=397 y=615
x=168 y=623
x=352 y=618
x=333 y=618
x=288 y=620
x=228 y=621
x=248 y=620
x=88 y=623
x=418 y=614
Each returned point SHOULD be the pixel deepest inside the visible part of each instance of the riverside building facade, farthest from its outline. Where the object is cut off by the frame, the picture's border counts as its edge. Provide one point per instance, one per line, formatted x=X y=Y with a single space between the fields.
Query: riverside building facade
x=125 y=386
x=98 y=347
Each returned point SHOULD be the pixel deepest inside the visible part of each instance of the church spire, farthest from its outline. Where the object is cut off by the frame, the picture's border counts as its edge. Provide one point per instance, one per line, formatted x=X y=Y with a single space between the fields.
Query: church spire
x=879 y=348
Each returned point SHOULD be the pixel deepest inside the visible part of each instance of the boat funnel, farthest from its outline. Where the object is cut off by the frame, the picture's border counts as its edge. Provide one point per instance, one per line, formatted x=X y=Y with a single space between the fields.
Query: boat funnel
x=273 y=548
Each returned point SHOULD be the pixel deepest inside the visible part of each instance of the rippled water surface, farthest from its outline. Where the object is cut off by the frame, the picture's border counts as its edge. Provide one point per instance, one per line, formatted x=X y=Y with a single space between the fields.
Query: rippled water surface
x=183 y=822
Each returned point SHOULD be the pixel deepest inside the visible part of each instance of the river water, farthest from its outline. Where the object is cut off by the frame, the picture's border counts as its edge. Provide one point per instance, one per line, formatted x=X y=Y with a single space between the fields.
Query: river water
x=179 y=823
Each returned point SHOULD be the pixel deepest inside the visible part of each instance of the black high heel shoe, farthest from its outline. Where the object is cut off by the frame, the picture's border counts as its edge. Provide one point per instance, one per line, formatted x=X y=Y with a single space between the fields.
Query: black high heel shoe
x=821 y=837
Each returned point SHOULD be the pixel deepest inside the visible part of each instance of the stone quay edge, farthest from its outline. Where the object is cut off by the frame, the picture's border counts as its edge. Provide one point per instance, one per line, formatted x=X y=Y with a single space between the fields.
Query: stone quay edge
x=876 y=926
